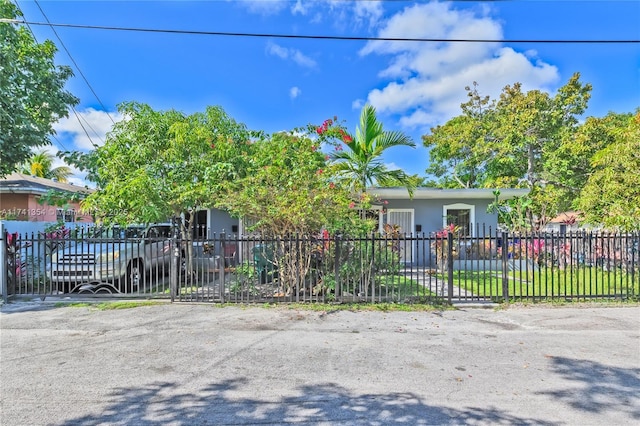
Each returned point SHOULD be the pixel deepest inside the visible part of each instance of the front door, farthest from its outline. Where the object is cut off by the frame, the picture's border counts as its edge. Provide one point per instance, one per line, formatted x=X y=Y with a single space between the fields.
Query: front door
x=404 y=218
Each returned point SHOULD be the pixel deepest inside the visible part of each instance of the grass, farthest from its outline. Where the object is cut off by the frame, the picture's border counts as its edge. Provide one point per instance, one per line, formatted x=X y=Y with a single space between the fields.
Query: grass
x=108 y=306
x=579 y=283
x=352 y=307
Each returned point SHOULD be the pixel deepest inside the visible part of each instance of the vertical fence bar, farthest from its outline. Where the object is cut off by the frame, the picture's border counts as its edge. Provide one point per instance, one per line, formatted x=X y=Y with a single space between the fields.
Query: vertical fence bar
x=449 y=267
x=4 y=264
x=505 y=267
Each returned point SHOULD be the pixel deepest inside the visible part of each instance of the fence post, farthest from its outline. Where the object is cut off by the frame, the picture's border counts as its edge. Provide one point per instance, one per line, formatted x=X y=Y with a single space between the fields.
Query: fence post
x=221 y=265
x=3 y=263
x=449 y=267
x=505 y=267
x=175 y=260
x=336 y=266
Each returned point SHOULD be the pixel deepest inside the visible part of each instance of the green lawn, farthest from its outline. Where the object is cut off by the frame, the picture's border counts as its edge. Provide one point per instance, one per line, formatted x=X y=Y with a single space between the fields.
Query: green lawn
x=400 y=286
x=580 y=283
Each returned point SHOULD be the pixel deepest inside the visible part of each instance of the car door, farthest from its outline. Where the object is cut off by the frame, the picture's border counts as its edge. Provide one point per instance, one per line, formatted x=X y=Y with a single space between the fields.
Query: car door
x=157 y=246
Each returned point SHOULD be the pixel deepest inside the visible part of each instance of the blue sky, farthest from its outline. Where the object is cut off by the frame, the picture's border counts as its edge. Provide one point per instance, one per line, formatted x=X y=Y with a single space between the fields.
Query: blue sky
x=275 y=84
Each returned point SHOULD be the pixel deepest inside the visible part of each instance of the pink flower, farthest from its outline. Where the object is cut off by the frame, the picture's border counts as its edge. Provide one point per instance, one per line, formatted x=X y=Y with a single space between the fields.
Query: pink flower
x=352 y=205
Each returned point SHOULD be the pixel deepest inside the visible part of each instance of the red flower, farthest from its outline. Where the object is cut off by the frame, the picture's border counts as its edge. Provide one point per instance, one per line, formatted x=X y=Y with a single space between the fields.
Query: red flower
x=320 y=130
x=347 y=139
x=213 y=146
x=332 y=185
x=352 y=205
x=319 y=172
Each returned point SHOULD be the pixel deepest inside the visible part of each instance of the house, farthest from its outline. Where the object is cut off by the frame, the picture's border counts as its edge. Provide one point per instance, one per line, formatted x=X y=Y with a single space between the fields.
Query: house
x=430 y=210
x=564 y=222
x=20 y=195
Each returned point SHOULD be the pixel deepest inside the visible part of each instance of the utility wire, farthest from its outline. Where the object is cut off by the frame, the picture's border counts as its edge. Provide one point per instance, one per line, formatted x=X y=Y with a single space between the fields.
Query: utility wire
x=75 y=63
x=327 y=37
x=72 y=107
x=83 y=128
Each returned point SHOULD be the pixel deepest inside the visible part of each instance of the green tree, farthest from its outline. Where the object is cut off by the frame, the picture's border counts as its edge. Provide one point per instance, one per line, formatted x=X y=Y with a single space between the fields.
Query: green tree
x=158 y=165
x=458 y=149
x=611 y=196
x=41 y=164
x=359 y=164
x=289 y=196
x=519 y=140
x=287 y=189
x=32 y=94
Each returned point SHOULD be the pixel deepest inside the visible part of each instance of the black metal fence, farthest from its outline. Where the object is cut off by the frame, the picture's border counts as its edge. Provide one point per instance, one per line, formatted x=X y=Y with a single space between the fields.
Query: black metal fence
x=443 y=267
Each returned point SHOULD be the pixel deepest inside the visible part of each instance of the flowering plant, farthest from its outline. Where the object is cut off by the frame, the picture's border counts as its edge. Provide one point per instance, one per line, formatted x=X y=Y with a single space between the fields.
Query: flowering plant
x=440 y=245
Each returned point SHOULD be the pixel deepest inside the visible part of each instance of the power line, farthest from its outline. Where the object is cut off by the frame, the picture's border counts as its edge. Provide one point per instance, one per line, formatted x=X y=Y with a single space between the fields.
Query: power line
x=328 y=37
x=84 y=128
x=75 y=63
x=72 y=107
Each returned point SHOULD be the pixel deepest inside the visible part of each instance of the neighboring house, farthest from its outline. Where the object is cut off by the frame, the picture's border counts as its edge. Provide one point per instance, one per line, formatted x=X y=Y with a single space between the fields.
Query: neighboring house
x=19 y=200
x=565 y=222
x=429 y=210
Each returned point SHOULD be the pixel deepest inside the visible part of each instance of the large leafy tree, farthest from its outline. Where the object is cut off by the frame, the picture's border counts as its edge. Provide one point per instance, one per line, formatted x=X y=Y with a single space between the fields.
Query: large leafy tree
x=459 y=148
x=32 y=94
x=522 y=139
x=286 y=189
x=41 y=164
x=360 y=164
x=157 y=165
x=289 y=196
x=611 y=196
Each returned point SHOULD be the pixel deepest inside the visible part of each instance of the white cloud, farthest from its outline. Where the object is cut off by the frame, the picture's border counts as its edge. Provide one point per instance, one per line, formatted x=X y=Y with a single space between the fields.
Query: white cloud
x=392 y=166
x=290 y=54
x=87 y=128
x=340 y=14
x=261 y=7
x=294 y=92
x=426 y=80
x=358 y=104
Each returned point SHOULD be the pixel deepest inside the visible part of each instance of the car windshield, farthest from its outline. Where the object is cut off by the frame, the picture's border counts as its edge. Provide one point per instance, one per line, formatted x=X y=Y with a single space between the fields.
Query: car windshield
x=119 y=232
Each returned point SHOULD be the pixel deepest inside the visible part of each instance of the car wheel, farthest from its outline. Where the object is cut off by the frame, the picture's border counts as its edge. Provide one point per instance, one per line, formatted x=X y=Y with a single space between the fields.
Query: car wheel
x=133 y=277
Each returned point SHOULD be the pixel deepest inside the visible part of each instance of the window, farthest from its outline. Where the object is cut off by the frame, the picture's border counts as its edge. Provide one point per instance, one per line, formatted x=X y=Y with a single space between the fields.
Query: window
x=63 y=215
x=461 y=215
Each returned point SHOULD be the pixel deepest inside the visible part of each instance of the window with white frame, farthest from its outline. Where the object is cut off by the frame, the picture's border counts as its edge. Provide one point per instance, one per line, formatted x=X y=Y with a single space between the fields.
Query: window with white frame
x=65 y=215
x=461 y=215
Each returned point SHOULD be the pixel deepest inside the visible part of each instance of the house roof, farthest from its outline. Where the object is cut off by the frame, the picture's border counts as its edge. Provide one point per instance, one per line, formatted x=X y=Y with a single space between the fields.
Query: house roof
x=399 y=193
x=18 y=183
x=567 y=217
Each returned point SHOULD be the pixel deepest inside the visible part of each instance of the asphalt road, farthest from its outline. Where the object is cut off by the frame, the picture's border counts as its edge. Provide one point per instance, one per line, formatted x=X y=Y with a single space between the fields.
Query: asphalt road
x=185 y=364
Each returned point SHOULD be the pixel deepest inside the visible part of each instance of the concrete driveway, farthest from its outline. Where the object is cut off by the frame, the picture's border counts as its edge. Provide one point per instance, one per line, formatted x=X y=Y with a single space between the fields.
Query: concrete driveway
x=186 y=364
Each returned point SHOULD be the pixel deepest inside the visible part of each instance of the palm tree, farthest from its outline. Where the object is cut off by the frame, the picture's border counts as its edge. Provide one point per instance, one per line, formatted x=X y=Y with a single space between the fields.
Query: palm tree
x=41 y=164
x=360 y=165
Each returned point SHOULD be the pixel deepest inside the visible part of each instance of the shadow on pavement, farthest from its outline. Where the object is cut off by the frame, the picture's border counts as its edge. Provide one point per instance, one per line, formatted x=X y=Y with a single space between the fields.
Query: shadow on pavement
x=600 y=387
x=320 y=404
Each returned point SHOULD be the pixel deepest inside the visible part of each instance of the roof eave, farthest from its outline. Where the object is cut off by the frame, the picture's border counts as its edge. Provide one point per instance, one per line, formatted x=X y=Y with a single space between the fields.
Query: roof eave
x=447 y=194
